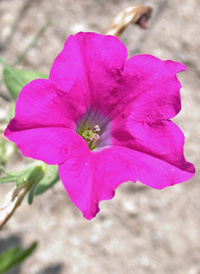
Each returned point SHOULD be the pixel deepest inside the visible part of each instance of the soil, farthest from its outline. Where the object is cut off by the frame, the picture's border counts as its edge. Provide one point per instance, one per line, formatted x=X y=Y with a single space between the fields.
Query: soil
x=142 y=230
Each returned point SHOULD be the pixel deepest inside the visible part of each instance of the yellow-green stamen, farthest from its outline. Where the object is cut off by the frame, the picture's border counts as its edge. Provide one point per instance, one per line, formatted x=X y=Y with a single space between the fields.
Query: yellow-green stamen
x=91 y=136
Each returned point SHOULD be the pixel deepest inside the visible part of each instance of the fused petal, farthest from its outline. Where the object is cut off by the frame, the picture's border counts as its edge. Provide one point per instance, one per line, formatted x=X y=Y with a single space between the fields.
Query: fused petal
x=68 y=73
x=162 y=140
x=151 y=86
x=103 y=120
x=104 y=58
x=41 y=104
x=90 y=177
x=49 y=144
x=157 y=173
x=43 y=122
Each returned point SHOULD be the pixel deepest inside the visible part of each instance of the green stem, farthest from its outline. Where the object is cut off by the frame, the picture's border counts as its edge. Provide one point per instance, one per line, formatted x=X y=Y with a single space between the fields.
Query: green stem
x=32 y=44
x=6 y=66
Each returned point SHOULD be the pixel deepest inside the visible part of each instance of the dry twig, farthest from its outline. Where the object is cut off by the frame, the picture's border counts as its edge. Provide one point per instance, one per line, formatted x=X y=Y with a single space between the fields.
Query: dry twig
x=11 y=202
x=135 y=14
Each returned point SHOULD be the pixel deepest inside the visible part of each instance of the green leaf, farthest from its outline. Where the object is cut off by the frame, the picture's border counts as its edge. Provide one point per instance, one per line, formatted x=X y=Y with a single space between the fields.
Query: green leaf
x=11 y=113
x=15 y=79
x=8 y=68
x=7 y=179
x=40 y=175
x=32 y=192
x=10 y=176
x=33 y=173
x=14 y=256
x=49 y=179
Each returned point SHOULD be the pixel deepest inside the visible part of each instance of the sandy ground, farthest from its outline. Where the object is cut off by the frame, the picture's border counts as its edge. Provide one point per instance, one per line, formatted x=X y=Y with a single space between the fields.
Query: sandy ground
x=141 y=231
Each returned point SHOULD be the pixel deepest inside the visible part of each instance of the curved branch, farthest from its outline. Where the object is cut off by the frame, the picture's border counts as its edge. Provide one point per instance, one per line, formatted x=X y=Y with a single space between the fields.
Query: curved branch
x=11 y=202
x=134 y=14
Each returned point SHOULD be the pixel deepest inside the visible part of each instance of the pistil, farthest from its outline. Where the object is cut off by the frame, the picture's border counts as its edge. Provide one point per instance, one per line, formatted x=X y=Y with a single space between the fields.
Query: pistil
x=91 y=136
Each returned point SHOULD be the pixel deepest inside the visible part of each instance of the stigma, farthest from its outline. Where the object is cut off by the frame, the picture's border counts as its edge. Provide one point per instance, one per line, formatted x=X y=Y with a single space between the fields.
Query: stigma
x=91 y=136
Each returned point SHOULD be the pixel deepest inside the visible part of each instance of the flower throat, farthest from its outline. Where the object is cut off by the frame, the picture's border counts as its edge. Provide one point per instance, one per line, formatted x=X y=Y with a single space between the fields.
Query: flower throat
x=91 y=136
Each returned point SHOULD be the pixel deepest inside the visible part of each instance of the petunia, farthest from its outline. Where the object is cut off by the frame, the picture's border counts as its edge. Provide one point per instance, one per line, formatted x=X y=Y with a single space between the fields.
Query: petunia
x=104 y=120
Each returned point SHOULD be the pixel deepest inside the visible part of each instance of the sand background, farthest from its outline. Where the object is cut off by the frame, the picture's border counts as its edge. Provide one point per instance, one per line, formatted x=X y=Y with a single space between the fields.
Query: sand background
x=141 y=231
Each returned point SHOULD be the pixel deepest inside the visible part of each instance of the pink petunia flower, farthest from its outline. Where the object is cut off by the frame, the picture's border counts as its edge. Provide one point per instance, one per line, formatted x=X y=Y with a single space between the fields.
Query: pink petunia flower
x=104 y=120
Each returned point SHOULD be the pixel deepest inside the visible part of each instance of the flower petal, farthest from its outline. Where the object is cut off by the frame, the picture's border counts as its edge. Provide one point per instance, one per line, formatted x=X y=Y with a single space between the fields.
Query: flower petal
x=151 y=86
x=43 y=122
x=157 y=91
x=91 y=83
x=158 y=174
x=104 y=58
x=161 y=139
x=51 y=145
x=95 y=65
x=90 y=177
x=90 y=63
x=69 y=75
x=41 y=104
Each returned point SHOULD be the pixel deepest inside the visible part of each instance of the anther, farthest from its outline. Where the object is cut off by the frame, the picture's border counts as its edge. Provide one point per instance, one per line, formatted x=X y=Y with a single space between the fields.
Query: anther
x=95 y=137
x=96 y=128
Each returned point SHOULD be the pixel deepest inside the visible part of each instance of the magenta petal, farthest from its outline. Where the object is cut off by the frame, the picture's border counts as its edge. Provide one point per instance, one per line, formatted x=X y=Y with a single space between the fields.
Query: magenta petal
x=51 y=145
x=159 y=102
x=69 y=74
x=90 y=63
x=151 y=86
x=161 y=139
x=104 y=57
x=92 y=177
x=44 y=117
x=122 y=109
x=41 y=104
x=157 y=173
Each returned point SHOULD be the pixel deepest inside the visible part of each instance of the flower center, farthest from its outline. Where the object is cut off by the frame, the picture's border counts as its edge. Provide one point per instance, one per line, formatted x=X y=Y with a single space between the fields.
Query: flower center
x=94 y=128
x=91 y=136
